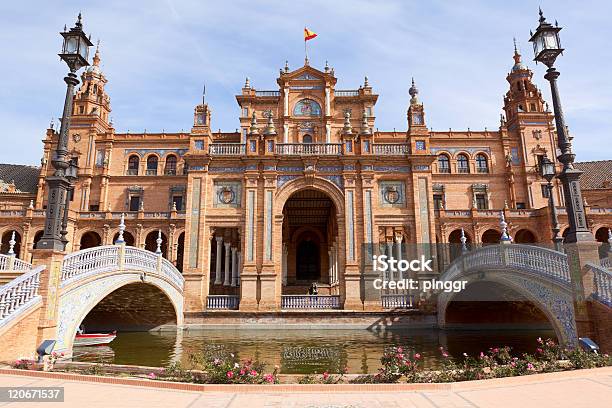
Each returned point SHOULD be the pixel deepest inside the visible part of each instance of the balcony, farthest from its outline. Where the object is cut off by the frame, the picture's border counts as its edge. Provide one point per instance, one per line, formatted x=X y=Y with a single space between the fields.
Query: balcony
x=391 y=149
x=310 y=302
x=151 y=172
x=131 y=172
x=222 y=302
x=314 y=149
x=482 y=169
x=227 y=149
x=338 y=92
x=267 y=93
x=397 y=301
x=463 y=170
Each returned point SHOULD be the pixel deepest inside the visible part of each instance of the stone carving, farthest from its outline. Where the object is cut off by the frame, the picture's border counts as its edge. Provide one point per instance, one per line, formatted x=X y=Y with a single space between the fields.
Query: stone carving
x=392 y=193
x=227 y=193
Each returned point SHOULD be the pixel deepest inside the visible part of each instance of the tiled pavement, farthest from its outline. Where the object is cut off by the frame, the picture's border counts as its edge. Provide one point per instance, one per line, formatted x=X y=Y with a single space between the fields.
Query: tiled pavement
x=584 y=388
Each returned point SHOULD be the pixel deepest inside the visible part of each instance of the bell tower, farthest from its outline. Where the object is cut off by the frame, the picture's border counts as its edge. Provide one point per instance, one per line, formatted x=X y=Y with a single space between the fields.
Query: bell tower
x=417 y=130
x=92 y=103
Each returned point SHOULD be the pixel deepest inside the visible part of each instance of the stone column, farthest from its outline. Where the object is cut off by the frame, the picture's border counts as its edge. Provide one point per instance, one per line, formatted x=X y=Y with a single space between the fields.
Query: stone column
x=284 y=262
x=390 y=271
x=238 y=268
x=330 y=268
x=218 y=261
x=234 y=266
x=398 y=247
x=226 y=281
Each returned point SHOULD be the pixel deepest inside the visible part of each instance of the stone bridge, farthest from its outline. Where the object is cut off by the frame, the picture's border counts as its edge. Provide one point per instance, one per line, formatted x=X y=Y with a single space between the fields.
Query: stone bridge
x=539 y=274
x=85 y=279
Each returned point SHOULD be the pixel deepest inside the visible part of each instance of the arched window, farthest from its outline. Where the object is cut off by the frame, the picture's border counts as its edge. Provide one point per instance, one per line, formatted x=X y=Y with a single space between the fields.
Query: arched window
x=307 y=139
x=133 y=163
x=170 y=165
x=443 y=164
x=463 y=164
x=482 y=165
x=152 y=165
x=307 y=107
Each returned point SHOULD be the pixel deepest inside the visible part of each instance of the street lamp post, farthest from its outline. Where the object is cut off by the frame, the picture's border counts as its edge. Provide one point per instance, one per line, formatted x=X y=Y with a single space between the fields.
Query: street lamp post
x=547 y=47
x=547 y=170
x=74 y=52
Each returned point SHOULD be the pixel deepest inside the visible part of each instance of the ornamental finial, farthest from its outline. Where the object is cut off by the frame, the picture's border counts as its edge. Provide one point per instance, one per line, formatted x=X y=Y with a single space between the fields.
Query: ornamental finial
x=31 y=206
x=253 y=128
x=247 y=83
x=120 y=239
x=347 y=129
x=463 y=240
x=12 y=243
x=270 y=130
x=286 y=65
x=414 y=94
x=159 y=241
x=505 y=237
x=326 y=66
x=365 y=82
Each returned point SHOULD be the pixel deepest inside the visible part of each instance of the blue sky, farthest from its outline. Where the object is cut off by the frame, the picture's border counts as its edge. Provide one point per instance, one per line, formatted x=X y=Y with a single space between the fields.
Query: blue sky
x=157 y=55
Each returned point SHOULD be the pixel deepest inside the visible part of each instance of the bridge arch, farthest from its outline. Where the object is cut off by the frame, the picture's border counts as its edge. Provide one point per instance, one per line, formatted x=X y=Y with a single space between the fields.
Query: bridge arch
x=90 y=276
x=540 y=275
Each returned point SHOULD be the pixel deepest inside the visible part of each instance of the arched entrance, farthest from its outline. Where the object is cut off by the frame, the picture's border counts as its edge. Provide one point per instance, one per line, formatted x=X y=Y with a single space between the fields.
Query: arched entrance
x=90 y=239
x=524 y=236
x=454 y=242
x=310 y=242
x=490 y=236
x=151 y=243
x=127 y=237
x=6 y=238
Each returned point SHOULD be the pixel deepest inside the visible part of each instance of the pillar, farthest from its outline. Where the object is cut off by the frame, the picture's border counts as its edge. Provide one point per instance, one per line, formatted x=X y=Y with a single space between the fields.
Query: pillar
x=218 y=261
x=234 y=266
x=226 y=281
x=284 y=262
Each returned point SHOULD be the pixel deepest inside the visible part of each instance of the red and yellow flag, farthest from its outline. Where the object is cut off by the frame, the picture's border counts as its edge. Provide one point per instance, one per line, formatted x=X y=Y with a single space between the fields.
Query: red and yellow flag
x=309 y=35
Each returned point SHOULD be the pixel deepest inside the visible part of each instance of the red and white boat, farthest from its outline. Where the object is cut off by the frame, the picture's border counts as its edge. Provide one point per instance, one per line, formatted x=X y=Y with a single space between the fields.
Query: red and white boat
x=94 y=339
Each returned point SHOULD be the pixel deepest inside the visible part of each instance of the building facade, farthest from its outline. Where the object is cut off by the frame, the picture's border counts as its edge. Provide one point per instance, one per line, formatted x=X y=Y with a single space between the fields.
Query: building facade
x=305 y=191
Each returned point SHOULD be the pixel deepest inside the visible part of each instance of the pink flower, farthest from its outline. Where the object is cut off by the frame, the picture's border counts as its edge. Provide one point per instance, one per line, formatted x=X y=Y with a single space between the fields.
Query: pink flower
x=62 y=354
x=513 y=364
x=481 y=354
x=230 y=374
x=253 y=373
x=539 y=350
x=496 y=350
x=242 y=372
x=444 y=354
x=152 y=376
x=216 y=361
x=530 y=366
x=269 y=378
x=417 y=356
x=540 y=340
x=325 y=375
x=407 y=362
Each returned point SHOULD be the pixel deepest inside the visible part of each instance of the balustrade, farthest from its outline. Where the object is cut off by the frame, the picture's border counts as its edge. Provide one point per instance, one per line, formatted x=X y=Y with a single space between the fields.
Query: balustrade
x=18 y=294
x=310 y=302
x=222 y=302
x=308 y=149
x=8 y=262
x=267 y=93
x=602 y=279
x=89 y=261
x=397 y=301
x=391 y=149
x=339 y=92
x=226 y=149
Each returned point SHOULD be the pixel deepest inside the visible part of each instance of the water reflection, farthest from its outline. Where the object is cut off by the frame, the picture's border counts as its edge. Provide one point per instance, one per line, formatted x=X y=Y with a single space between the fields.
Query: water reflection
x=305 y=351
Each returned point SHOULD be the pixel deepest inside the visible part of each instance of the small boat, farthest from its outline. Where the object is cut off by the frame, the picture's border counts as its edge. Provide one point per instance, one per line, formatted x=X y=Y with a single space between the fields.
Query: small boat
x=94 y=339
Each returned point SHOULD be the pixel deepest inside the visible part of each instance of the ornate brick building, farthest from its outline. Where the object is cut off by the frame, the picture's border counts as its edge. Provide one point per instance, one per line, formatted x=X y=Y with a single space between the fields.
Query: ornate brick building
x=292 y=197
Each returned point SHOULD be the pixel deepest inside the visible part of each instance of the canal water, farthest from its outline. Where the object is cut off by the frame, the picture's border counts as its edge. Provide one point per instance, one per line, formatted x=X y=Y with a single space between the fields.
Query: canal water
x=305 y=351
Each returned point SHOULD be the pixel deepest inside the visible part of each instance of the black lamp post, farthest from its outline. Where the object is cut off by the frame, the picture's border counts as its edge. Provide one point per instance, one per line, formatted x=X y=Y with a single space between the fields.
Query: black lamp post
x=547 y=170
x=547 y=47
x=74 y=53
x=71 y=175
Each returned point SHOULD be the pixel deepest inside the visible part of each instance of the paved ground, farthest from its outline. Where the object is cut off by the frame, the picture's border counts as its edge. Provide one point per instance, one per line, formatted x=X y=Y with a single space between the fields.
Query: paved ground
x=585 y=388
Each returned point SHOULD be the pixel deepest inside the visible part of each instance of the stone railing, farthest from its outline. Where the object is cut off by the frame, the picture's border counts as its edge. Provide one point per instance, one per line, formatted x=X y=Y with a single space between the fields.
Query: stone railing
x=531 y=259
x=602 y=279
x=309 y=149
x=310 y=302
x=11 y=263
x=397 y=301
x=17 y=295
x=222 y=302
x=92 y=261
x=606 y=263
x=391 y=149
x=267 y=93
x=339 y=92
x=12 y=213
x=227 y=149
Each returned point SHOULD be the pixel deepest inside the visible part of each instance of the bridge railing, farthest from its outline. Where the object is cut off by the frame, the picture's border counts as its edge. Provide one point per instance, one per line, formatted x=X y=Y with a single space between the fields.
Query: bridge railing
x=602 y=279
x=92 y=261
x=17 y=295
x=12 y=263
x=310 y=302
x=528 y=258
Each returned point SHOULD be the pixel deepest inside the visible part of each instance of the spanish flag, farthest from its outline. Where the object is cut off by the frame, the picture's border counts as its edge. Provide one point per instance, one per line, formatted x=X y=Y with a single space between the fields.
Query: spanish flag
x=308 y=35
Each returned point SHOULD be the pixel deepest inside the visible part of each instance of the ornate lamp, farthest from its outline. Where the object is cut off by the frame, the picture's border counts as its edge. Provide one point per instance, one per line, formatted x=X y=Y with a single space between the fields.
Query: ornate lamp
x=547 y=169
x=76 y=47
x=546 y=42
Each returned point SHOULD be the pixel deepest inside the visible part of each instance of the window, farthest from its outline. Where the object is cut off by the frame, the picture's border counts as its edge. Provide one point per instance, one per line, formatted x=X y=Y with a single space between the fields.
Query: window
x=151 y=165
x=134 y=203
x=438 y=201
x=99 y=158
x=369 y=111
x=177 y=202
x=307 y=107
x=520 y=206
x=198 y=144
x=133 y=163
x=443 y=164
x=307 y=139
x=463 y=164
x=94 y=207
x=482 y=165
x=245 y=112
x=170 y=165
x=481 y=202
x=532 y=107
x=419 y=145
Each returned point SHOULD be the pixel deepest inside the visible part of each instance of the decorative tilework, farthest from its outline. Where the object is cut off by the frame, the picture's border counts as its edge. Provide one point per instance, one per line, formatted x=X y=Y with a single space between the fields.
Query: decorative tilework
x=393 y=169
x=159 y=152
x=392 y=193
x=282 y=180
x=227 y=194
x=337 y=180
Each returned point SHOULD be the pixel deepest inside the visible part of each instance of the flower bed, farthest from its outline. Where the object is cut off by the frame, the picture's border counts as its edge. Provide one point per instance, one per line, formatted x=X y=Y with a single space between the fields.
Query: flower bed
x=398 y=365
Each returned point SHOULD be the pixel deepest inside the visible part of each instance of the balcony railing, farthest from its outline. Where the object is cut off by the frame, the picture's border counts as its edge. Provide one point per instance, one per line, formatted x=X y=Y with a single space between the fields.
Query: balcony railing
x=310 y=302
x=151 y=172
x=445 y=170
x=226 y=149
x=464 y=170
x=131 y=172
x=222 y=302
x=267 y=93
x=313 y=149
x=397 y=301
x=338 y=92
x=391 y=149
x=482 y=169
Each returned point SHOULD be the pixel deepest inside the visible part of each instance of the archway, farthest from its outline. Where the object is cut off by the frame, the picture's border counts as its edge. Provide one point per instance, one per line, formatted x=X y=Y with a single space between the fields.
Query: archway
x=90 y=239
x=6 y=237
x=127 y=237
x=490 y=236
x=601 y=235
x=151 y=243
x=180 y=251
x=133 y=307
x=524 y=236
x=455 y=245
x=310 y=241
